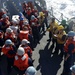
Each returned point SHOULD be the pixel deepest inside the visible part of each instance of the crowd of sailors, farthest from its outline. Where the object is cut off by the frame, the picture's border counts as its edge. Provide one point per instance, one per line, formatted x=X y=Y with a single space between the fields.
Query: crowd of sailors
x=19 y=35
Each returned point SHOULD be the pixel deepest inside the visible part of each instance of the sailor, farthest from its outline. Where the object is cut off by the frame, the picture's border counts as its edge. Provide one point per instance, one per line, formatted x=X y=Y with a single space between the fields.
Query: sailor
x=24 y=34
x=69 y=49
x=5 y=23
x=24 y=44
x=26 y=24
x=35 y=11
x=2 y=12
x=9 y=50
x=30 y=71
x=35 y=28
x=9 y=34
x=54 y=38
x=29 y=14
x=61 y=38
x=66 y=26
x=21 y=62
x=50 y=29
x=41 y=21
x=46 y=15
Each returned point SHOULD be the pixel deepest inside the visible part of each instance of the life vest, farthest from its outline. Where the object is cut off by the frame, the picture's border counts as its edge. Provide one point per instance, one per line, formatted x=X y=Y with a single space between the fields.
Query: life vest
x=68 y=42
x=23 y=35
x=21 y=62
x=5 y=51
x=29 y=28
x=33 y=21
x=41 y=20
x=27 y=48
x=52 y=25
x=10 y=36
x=59 y=38
x=54 y=31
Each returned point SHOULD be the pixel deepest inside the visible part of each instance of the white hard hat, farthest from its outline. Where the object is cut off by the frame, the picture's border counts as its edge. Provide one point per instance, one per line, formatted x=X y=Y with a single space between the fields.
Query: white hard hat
x=30 y=71
x=20 y=51
x=24 y=41
x=8 y=42
x=15 y=19
x=9 y=30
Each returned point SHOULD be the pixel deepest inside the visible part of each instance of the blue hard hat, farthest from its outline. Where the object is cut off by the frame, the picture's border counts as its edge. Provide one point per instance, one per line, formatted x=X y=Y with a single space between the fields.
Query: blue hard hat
x=20 y=14
x=30 y=71
x=8 y=42
x=21 y=18
x=71 y=33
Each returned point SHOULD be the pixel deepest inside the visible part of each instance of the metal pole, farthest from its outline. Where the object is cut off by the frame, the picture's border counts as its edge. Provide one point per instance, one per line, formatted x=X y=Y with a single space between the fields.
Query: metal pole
x=61 y=16
x=52 y=11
